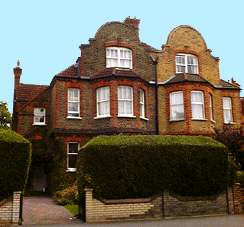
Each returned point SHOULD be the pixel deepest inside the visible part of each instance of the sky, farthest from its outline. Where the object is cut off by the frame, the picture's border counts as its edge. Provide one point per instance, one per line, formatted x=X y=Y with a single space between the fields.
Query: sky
x=45 y=35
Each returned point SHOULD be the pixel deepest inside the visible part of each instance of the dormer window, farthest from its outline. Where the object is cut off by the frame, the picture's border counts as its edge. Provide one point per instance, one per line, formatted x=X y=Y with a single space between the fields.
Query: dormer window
x=118 y=57
x=186 y=63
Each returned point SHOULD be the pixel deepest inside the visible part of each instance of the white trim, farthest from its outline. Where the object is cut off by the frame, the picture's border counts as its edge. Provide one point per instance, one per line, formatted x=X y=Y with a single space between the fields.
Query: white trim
x=198 y=103
x=228 y=109
x=72 y=101
x=130 y=100
x=185 y=64
x=199 y=119
x=39 y=109
x=116 y=61
x=179 y=104
x=142 y=104
x=77 y=118
x=71 y=169
x=126 y=115
x=103 y=116
x=103 y=89
x=143 y=118
x=181 y=119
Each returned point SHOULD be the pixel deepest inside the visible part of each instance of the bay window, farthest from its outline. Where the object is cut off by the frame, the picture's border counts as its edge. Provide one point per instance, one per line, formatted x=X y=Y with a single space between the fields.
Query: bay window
x=118 y=57
x=176 y=105
x=197 y=105
x=211 y=107
x=186 y=63
x=125 y=101
x=227 y=107
x=103 y=102
x=73 y=102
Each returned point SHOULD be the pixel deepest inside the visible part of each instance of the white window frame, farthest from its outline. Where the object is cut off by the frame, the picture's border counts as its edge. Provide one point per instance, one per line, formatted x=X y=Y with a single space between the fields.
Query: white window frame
x=103 y=102
x=142 y=103
x=125 y=100
x=182 y=65
x=38 y=116
x=71 y=101
x=68 y=154
x=118 y=57
x=172 y=105
x=200 y=115
x=227 y=109
x=211 y=107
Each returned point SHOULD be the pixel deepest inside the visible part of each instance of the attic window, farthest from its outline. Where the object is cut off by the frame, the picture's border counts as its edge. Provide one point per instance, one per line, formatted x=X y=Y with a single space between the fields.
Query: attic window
x=39 y=116
x=186 y=63
x=118 y=57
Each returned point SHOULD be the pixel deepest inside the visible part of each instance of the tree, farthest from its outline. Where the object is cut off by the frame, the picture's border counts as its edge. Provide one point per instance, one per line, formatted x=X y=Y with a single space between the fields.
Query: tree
x=233 y=138
x=5 y=116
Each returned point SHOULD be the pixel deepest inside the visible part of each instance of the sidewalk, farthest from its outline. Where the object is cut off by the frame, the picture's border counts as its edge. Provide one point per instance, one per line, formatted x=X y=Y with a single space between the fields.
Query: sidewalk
x=40 y=210
x=215 y=221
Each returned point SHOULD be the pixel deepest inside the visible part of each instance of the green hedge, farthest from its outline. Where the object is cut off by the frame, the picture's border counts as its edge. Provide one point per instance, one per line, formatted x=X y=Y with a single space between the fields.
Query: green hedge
x=15 y=158
x=139 y=166
x=240 y=178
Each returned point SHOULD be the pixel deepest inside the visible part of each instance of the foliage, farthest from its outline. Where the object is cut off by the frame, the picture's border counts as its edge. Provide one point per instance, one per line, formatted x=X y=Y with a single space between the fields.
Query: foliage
x=240 y=178
x=15 y=156
x=5 y=116
x=67 y=196
x=231 y=137
x=73 y=209
x=139 y=166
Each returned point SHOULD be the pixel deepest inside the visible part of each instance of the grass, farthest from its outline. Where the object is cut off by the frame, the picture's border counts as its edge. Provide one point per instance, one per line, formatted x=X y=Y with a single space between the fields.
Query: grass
x=73 y=209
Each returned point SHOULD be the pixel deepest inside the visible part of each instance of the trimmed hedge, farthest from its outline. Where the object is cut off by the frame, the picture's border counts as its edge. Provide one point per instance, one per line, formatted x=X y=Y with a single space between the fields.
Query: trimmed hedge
x=139 y=166
x=15 y=158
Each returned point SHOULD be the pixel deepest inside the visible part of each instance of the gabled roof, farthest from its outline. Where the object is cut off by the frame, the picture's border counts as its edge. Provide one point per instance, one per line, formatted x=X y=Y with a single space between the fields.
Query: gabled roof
x=26 y=92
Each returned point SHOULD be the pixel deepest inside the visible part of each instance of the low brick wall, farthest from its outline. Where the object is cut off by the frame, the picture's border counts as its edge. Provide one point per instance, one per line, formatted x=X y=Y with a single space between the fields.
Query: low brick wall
x=10 y=210
x=162 y=205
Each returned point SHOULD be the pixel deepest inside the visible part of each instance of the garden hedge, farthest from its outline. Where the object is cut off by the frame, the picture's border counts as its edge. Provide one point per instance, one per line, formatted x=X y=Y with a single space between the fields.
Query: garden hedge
x=15 y=158
x=139 y=166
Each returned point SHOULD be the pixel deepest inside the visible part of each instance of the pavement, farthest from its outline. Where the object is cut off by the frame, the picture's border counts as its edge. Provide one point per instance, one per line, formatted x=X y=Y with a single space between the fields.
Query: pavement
x=43 y=212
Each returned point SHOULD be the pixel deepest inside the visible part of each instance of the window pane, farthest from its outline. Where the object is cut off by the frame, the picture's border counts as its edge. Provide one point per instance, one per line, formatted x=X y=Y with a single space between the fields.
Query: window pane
x=197 y=111
x=73 y=106
x=121 y=107
x=177 y=112
x=128 y=107
x=72 y=161
x=73 y=148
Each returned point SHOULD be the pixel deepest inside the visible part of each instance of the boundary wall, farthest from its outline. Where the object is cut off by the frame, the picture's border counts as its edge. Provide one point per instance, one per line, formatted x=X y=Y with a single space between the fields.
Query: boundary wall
x=10 y=210
x=162 y=205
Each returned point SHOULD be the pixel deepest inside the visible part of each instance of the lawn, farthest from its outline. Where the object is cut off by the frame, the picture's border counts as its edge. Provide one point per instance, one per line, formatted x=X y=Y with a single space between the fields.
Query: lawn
x=73 y=209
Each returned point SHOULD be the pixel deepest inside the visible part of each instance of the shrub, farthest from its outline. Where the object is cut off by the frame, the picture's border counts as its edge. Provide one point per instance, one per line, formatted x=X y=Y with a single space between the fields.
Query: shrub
x=15 y=156
x=139 y=166
x=67 y=196
x=240 y=178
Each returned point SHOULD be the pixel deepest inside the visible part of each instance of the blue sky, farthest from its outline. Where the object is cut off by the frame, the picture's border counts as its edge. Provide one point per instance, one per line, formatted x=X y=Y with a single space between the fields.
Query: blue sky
x=45 y=35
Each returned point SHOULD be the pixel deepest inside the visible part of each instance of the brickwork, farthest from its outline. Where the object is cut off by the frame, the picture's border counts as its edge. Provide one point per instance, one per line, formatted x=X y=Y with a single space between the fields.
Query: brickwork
x=238 y=199
x=10 y=211
x=90 y=73
x=170 y=205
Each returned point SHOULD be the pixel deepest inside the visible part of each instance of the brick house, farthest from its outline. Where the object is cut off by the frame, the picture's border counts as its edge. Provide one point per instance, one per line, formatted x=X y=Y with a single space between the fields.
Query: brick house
x=113 y=88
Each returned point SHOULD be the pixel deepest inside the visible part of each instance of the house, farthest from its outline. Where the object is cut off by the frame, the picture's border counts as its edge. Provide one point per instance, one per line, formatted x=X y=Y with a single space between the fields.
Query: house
x=121 y=85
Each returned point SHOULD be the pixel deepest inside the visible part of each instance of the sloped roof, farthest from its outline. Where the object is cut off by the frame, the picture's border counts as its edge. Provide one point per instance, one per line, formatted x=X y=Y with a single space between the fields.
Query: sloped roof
x=116 y=72
x=228 y=85
x=26 y=92
x=189 y=77
x=71 y=71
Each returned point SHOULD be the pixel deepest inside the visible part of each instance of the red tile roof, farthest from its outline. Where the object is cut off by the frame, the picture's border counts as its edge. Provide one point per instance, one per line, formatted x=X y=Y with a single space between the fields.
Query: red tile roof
x=72 y=71
x=26 y=92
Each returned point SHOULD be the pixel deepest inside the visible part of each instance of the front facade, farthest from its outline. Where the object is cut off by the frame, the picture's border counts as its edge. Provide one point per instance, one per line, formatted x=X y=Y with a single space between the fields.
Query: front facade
x=121 y=85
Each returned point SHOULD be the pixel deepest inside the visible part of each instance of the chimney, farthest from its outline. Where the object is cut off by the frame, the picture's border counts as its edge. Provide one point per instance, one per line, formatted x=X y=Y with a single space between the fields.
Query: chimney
x=17 y=74
x=134 y=23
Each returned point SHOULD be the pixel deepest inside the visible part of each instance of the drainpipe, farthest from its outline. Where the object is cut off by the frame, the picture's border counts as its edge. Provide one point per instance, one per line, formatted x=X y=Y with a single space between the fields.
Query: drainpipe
x=155 y=62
